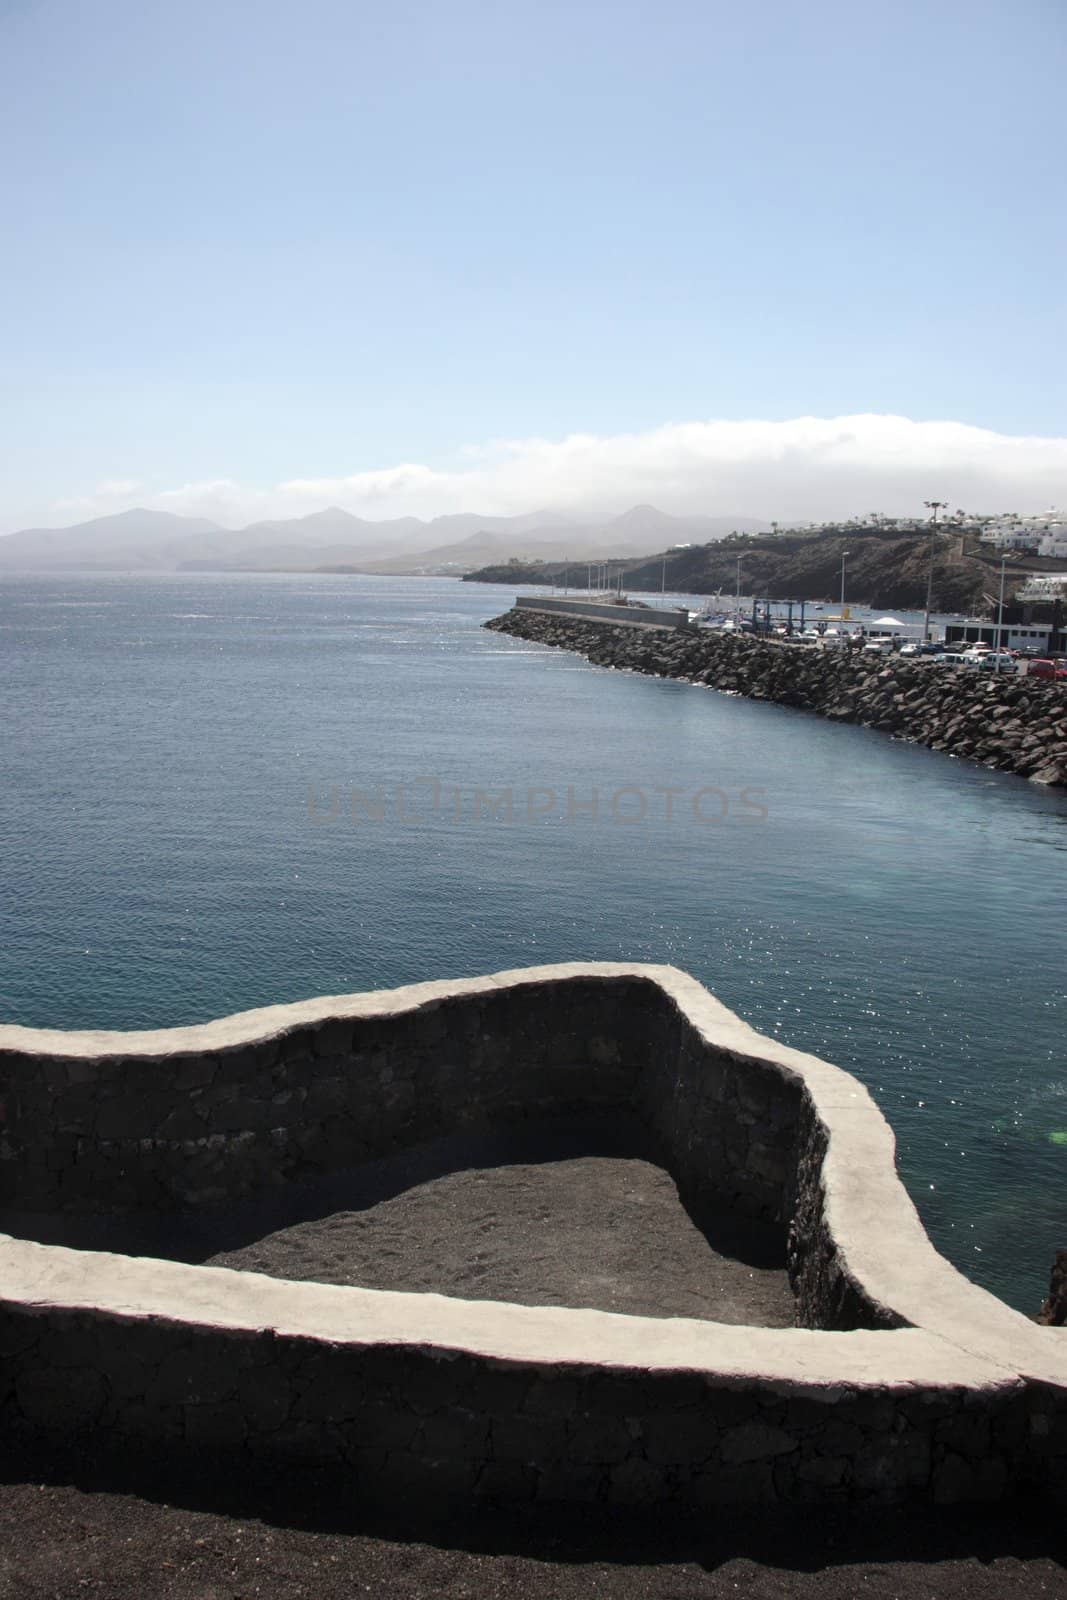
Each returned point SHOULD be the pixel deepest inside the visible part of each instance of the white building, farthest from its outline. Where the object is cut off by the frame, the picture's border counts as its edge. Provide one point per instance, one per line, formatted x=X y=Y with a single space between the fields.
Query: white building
x=1054 y=541
x=1031 y=637
x=1044 y=586
x=1029 y=533
x=1013 y=536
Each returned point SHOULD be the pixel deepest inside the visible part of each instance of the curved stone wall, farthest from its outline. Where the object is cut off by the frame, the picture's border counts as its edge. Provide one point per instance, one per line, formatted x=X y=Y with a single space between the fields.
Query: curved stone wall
x=903 y=1380
x=207 y=1115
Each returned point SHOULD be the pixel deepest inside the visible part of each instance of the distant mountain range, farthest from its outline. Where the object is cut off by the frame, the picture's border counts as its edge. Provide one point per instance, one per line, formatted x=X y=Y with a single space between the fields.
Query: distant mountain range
x=335 y=540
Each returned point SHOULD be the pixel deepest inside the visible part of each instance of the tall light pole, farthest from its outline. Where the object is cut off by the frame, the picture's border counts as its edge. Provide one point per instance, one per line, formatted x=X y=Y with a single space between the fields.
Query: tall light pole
x=933 y=506
x=844 y=553
x=1000 y=610
x=737 y=607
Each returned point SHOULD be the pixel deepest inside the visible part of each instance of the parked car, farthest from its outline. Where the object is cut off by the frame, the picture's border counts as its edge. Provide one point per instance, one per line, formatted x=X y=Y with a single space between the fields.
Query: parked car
x=995 y=661
x=1045 y=668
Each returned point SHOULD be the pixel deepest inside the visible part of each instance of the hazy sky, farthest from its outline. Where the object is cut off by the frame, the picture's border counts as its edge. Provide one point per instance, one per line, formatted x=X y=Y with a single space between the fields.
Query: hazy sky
x=251 y=243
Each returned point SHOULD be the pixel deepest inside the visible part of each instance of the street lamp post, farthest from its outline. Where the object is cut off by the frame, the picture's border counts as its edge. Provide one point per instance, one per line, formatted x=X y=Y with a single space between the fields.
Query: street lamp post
x=1000 y=611
x=737 y=606
x=844 y=553
x=933 y=506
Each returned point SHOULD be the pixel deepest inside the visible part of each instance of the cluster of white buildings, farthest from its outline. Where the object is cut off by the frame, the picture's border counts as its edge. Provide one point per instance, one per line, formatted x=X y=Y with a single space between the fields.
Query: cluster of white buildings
x=1045 y=535
x=1043 y=586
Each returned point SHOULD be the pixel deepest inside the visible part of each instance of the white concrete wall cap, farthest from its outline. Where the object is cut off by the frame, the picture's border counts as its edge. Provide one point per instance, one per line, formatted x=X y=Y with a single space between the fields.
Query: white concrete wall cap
x=49 y=1277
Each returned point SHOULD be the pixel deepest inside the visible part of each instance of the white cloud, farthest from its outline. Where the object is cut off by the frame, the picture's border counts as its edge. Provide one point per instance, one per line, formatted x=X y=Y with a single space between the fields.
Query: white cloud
x=116 y=488
x=806 y=468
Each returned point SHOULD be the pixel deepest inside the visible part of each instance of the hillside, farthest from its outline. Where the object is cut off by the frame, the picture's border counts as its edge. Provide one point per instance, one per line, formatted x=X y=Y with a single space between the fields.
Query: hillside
x=883 y=568
x=334 y=540
x=128 y=540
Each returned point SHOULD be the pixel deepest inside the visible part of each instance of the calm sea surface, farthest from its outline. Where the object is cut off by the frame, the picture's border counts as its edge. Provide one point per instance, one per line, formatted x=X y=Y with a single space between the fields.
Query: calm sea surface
x=226 y=791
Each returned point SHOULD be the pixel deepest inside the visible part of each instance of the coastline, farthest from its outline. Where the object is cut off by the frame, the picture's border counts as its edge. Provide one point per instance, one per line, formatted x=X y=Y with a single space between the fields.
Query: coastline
x=1008 y=723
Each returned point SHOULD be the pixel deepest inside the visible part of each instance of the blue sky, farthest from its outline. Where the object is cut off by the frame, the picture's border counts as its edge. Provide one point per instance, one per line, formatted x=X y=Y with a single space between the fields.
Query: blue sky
x=251 y=242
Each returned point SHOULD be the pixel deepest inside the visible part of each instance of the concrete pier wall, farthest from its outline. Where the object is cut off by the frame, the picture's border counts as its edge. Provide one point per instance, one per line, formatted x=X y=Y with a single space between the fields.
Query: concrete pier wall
x=632 y=616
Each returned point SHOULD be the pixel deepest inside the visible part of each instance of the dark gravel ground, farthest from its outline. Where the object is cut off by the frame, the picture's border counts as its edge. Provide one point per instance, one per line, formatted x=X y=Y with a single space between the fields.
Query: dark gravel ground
x=61 y=1539
x=601 y=1231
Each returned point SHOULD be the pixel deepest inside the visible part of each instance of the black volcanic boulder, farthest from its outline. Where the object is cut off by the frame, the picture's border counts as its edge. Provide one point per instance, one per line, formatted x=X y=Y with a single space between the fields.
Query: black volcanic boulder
x=1053 y=1313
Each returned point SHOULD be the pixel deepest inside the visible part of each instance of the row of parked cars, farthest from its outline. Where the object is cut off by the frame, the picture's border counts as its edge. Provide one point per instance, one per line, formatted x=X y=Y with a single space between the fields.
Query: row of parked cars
x=977 y=657
x=983 y=658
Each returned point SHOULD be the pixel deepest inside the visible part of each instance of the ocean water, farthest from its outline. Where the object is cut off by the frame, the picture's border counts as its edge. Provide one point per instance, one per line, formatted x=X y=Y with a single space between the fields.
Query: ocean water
x=226 y=791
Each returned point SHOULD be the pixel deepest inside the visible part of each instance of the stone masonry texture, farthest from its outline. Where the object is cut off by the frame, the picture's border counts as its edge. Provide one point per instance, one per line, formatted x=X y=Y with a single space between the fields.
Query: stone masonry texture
x=901 y=1381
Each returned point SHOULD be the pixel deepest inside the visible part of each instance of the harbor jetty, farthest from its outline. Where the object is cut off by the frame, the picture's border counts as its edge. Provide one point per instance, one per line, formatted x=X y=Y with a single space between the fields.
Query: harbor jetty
x=1009 y=722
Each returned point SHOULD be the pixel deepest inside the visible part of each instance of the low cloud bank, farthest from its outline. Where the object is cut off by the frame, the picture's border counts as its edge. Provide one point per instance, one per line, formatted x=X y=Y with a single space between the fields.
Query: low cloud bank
x=809 y=468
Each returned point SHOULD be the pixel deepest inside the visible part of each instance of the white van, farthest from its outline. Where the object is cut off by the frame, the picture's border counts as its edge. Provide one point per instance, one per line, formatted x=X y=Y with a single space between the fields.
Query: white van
x=992 y=661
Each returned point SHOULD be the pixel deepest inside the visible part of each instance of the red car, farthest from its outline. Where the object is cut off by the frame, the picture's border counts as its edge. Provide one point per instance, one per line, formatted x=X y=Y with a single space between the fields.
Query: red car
x=1045 y=669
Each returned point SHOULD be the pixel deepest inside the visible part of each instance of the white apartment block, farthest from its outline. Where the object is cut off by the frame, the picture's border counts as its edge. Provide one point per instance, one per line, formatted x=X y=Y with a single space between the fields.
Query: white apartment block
x=1013 y=536
x=1046 y=534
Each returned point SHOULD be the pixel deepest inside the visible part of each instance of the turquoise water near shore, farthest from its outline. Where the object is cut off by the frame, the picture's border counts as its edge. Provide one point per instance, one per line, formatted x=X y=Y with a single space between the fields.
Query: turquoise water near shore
x=224 y=791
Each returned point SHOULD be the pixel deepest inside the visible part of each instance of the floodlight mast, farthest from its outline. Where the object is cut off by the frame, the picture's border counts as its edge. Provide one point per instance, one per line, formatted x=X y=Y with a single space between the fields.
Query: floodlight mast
x=933 y=506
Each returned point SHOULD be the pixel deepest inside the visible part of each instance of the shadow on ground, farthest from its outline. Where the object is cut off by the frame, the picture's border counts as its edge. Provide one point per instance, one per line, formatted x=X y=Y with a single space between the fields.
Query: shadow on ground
x=578 y=1214
x=194 y=1236
x=123 y=1529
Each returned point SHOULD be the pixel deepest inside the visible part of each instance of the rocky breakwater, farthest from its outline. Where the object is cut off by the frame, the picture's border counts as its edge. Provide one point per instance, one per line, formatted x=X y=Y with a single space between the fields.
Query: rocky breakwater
x=1016 y=724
